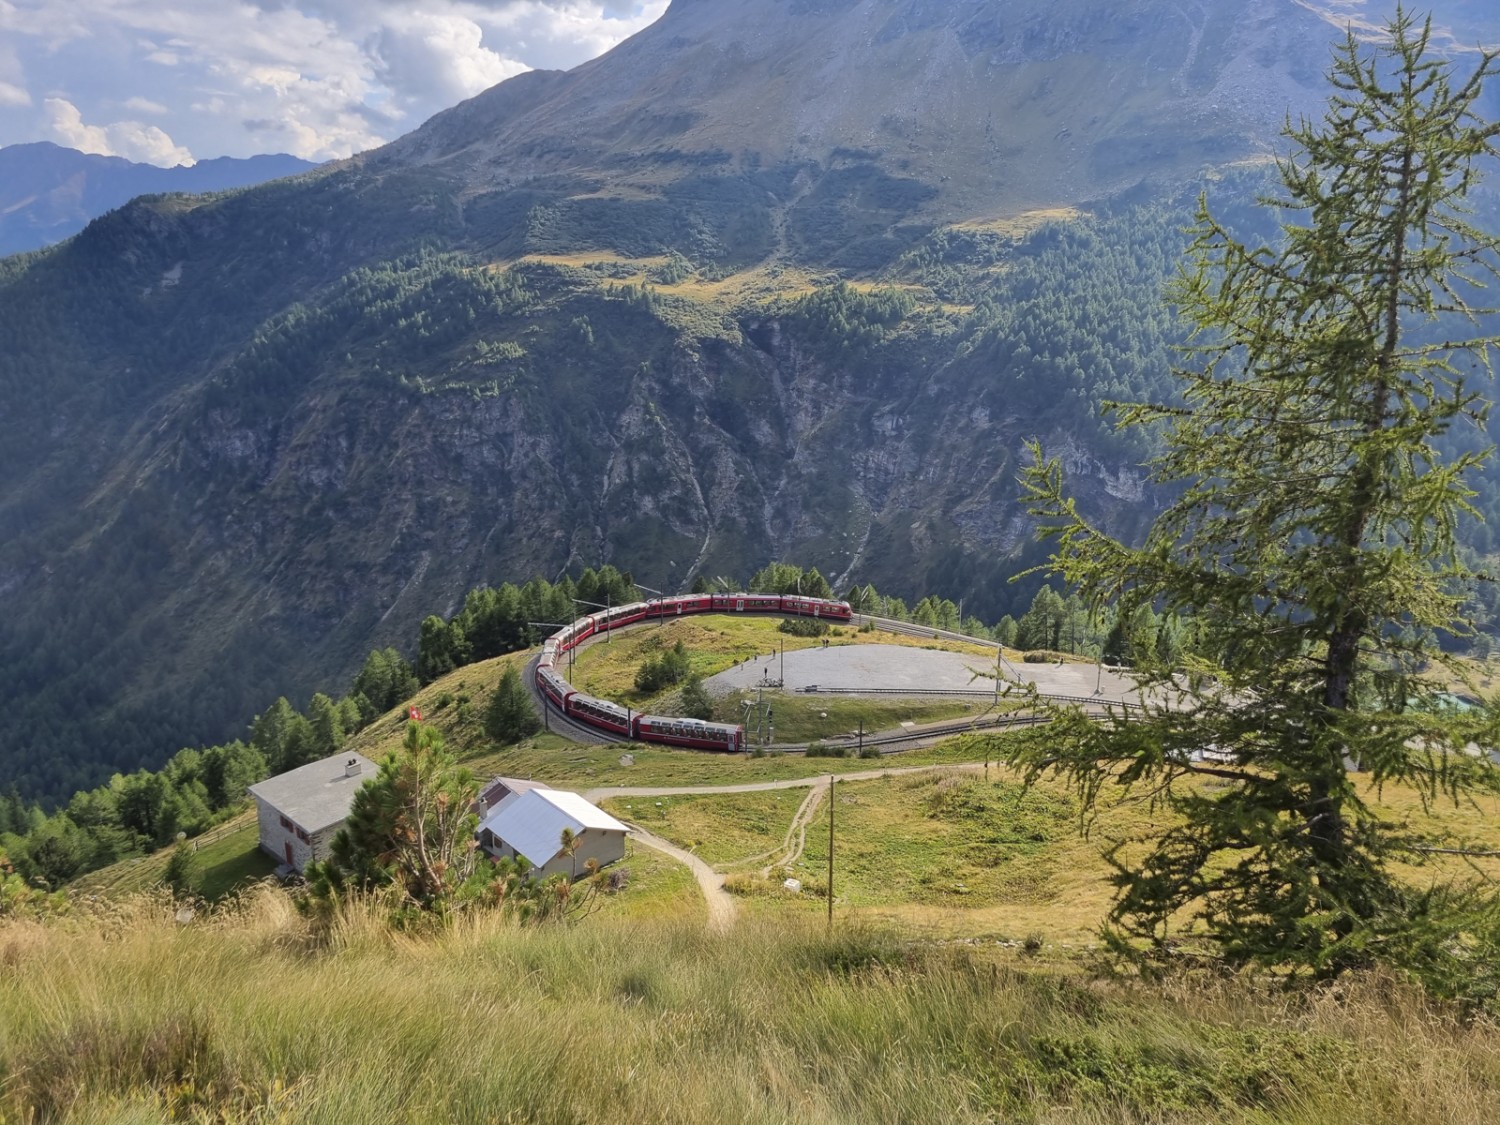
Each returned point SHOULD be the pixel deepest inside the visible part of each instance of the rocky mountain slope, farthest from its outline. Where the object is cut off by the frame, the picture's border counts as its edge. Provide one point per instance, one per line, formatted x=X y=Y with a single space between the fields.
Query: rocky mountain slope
x=598 y=316
x=48 y=193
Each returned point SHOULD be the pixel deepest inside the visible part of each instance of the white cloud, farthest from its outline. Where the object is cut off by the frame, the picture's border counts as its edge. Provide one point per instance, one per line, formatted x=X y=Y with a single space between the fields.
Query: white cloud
x=441 y=60
x=68 y=128
x=320 y=78
x=142 y=143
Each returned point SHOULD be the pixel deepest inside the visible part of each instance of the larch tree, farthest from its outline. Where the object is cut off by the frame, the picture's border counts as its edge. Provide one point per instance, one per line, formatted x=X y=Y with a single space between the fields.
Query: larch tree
x=1309 y=538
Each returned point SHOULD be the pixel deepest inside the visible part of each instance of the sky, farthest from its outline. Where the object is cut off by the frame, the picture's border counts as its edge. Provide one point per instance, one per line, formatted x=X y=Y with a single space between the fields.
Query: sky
x=175 y=81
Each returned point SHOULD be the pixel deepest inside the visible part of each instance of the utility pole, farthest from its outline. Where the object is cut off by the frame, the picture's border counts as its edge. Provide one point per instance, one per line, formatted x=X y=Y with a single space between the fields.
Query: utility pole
x=661 y=608
x=830 y=851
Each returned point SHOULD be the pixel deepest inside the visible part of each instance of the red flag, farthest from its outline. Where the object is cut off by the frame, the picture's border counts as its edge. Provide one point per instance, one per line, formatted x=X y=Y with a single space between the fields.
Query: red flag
x=416 y=715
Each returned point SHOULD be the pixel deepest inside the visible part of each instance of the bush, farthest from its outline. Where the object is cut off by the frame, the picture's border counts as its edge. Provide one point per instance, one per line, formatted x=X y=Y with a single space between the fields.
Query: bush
x=663 y=671
x=823 y=750
x=184 y=873
x=803 y=627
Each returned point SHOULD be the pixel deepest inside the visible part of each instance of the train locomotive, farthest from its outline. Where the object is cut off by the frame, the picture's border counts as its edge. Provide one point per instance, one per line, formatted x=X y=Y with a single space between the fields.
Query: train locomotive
x=622 y=722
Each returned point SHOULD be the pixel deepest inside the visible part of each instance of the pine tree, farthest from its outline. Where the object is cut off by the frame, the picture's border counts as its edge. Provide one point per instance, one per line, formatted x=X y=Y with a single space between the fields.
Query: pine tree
x=1311 y=538
x=510 y=716
x=184 y=870
x=411 y=828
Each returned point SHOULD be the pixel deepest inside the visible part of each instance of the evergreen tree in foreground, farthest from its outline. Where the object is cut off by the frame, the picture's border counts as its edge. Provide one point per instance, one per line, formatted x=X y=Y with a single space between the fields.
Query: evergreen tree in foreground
x=410 y=828
x=1311 y=540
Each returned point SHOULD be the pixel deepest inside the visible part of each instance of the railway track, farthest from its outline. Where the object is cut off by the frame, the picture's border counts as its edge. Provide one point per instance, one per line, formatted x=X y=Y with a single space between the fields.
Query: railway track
x=555 y=720
x=887 y=742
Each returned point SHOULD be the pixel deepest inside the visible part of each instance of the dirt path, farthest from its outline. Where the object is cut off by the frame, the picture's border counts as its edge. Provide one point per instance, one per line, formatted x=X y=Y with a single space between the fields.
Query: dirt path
x=722 y=910
x=721 y=906
x=795 y=842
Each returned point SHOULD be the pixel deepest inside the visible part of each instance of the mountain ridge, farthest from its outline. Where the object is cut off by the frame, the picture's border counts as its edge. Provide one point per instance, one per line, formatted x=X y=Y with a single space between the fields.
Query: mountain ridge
x=767 y=91
x=48 y=192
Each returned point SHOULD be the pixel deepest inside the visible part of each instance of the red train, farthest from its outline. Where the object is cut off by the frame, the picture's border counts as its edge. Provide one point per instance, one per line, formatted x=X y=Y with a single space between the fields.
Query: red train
x=622 y=721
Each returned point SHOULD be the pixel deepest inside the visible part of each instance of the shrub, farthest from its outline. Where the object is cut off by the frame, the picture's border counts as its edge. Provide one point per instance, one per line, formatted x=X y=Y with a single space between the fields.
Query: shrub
x=803 y=627
x=1042 y=656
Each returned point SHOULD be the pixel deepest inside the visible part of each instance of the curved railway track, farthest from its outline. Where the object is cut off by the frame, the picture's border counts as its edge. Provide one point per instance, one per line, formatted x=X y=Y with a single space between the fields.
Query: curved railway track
x=886 y=742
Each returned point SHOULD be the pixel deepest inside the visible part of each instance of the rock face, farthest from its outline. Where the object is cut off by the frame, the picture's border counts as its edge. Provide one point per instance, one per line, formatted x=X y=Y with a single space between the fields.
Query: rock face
x=591 y=317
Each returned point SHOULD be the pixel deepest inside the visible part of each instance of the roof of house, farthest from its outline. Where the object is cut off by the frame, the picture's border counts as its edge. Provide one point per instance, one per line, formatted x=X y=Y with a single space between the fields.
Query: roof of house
x=532 y=824
x=317 y=795
x=502 y=789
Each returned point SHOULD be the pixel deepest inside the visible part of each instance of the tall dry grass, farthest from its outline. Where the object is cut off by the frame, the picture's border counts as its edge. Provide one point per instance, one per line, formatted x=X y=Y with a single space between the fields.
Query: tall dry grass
x=250 y=1015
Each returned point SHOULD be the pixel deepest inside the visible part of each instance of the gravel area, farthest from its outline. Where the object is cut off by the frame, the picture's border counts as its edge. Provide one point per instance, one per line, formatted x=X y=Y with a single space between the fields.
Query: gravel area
x=855 y=668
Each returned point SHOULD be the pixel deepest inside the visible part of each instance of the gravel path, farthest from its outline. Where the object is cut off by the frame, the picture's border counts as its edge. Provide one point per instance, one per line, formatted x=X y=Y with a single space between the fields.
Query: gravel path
x=722 y=910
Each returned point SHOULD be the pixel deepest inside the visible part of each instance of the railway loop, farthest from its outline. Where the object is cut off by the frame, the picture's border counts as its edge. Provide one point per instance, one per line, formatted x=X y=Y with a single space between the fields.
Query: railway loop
x=587 y=719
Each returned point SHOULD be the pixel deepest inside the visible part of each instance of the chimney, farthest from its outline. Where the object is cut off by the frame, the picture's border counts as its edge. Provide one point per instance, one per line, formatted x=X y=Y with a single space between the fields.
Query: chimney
x=351 y=768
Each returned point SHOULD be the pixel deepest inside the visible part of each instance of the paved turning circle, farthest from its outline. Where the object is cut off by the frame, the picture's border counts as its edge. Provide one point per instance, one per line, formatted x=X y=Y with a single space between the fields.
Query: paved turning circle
x=855 y=668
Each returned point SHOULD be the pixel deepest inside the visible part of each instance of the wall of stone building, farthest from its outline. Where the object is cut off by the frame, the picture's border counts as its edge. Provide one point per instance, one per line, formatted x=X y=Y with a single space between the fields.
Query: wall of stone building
x=277 y=832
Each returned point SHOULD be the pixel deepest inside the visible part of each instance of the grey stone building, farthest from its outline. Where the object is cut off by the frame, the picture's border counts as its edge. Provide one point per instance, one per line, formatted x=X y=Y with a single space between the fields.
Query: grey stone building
x=300 y=810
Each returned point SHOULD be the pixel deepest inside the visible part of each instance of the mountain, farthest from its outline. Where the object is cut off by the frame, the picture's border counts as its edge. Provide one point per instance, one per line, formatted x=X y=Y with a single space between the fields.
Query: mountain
x=784 y=278
x=48 y=193
x=977 y=106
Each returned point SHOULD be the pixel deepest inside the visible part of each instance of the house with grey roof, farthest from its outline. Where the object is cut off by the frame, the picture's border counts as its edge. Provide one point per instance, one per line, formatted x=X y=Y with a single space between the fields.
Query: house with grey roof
x=502 y=789
x=528 y=821
x=300 y=810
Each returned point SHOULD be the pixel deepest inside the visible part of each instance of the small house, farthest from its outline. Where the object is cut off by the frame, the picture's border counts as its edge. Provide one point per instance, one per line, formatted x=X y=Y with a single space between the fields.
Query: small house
x=529 y=823
x=300 y=810
x=500 y=790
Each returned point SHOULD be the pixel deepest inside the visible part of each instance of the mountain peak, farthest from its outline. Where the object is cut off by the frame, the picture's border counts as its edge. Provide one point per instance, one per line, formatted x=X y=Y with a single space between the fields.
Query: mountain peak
x=995 y=107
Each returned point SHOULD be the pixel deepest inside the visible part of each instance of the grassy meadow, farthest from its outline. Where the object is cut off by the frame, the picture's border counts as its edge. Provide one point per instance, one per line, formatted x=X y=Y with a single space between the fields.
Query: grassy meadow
x=958 y=984
x=252 y=1014
x=973 y=853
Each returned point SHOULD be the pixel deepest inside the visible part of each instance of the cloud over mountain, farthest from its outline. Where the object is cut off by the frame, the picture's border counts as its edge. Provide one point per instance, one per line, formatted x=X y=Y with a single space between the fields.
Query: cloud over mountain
x=168 y=81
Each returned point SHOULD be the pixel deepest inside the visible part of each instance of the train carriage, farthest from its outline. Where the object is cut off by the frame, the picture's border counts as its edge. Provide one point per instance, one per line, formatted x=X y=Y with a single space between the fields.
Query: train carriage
x=552 y=685
x=599 y=713
x=622 y=615
x=815 y=607
x=690 y=732
x=686 y=603
x=746 y=603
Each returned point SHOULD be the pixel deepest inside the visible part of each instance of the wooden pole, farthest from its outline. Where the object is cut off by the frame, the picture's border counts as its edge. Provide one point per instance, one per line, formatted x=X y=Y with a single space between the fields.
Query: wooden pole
x=830 y=851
